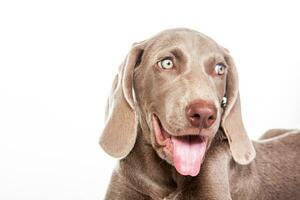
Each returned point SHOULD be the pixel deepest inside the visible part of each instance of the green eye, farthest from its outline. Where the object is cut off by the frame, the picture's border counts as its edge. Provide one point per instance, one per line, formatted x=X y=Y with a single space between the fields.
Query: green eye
x=220 y=69
x=166 y=64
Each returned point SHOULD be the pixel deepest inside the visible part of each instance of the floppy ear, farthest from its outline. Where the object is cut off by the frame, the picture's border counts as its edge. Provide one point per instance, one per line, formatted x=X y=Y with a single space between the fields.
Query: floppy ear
x=241 y=147
x=119 y=134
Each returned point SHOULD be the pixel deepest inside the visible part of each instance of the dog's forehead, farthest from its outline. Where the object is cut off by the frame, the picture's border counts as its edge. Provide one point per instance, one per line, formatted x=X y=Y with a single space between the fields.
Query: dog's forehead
x=182 y=38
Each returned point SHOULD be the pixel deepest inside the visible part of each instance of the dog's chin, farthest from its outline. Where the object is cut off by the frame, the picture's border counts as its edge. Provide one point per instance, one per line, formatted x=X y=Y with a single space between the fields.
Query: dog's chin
x=184 y=150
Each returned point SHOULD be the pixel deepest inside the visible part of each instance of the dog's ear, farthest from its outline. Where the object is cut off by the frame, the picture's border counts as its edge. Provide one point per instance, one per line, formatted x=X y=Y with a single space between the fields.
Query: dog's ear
x=241 y=147
x=120 y=131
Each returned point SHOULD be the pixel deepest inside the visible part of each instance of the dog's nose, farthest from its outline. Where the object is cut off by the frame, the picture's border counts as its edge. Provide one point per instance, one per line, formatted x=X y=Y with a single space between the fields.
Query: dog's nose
x=201 y=113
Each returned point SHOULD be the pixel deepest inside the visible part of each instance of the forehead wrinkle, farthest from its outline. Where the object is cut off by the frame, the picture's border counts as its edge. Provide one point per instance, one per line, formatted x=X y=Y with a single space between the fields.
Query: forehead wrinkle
x=166 y=46
x=176 y=51
x=194 y=43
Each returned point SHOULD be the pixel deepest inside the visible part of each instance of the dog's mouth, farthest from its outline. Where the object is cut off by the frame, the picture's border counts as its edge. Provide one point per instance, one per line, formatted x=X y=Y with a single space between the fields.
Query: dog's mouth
x=186 y=151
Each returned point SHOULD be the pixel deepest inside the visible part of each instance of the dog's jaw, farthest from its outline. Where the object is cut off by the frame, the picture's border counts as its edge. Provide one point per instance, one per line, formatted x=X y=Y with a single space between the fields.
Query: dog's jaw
x=186 y=152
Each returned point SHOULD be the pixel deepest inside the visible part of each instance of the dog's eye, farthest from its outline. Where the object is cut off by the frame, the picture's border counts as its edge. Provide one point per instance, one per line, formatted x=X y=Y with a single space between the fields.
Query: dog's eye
x=166 y=63
x=220 y=69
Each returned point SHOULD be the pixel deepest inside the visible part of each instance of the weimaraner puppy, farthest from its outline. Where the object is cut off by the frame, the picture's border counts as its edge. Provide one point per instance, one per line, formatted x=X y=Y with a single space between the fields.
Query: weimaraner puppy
x=174 y=120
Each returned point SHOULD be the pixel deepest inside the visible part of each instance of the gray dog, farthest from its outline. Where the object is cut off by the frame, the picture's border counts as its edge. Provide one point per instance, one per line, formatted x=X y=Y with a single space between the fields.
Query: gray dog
x=174 y=119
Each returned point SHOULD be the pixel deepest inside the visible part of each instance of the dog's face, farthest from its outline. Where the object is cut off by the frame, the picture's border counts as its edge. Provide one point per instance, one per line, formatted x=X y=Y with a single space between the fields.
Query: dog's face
x=179 y=78
x=179 y=86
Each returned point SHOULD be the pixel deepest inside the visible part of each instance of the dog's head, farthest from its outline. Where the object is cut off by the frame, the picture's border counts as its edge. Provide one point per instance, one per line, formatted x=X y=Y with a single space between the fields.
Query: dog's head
x=181 y=87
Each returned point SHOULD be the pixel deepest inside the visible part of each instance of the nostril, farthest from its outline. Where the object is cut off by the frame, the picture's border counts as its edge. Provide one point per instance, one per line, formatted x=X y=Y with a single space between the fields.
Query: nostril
x=211 y=117
x=210 y=120
x=196 y=116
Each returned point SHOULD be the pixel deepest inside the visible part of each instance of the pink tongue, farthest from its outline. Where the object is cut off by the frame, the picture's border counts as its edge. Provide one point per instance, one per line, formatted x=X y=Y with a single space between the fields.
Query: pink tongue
x=188 y=154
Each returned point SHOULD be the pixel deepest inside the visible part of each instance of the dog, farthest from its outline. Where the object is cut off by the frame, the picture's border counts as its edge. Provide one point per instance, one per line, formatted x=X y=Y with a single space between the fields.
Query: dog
x=174 y=120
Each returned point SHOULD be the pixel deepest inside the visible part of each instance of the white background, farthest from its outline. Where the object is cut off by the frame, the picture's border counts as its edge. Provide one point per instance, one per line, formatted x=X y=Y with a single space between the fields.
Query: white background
x=58 y=59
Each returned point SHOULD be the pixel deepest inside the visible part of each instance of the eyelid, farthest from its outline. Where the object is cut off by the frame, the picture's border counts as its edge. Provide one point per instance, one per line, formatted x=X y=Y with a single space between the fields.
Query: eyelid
x=222 y=63
x=165 y=57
